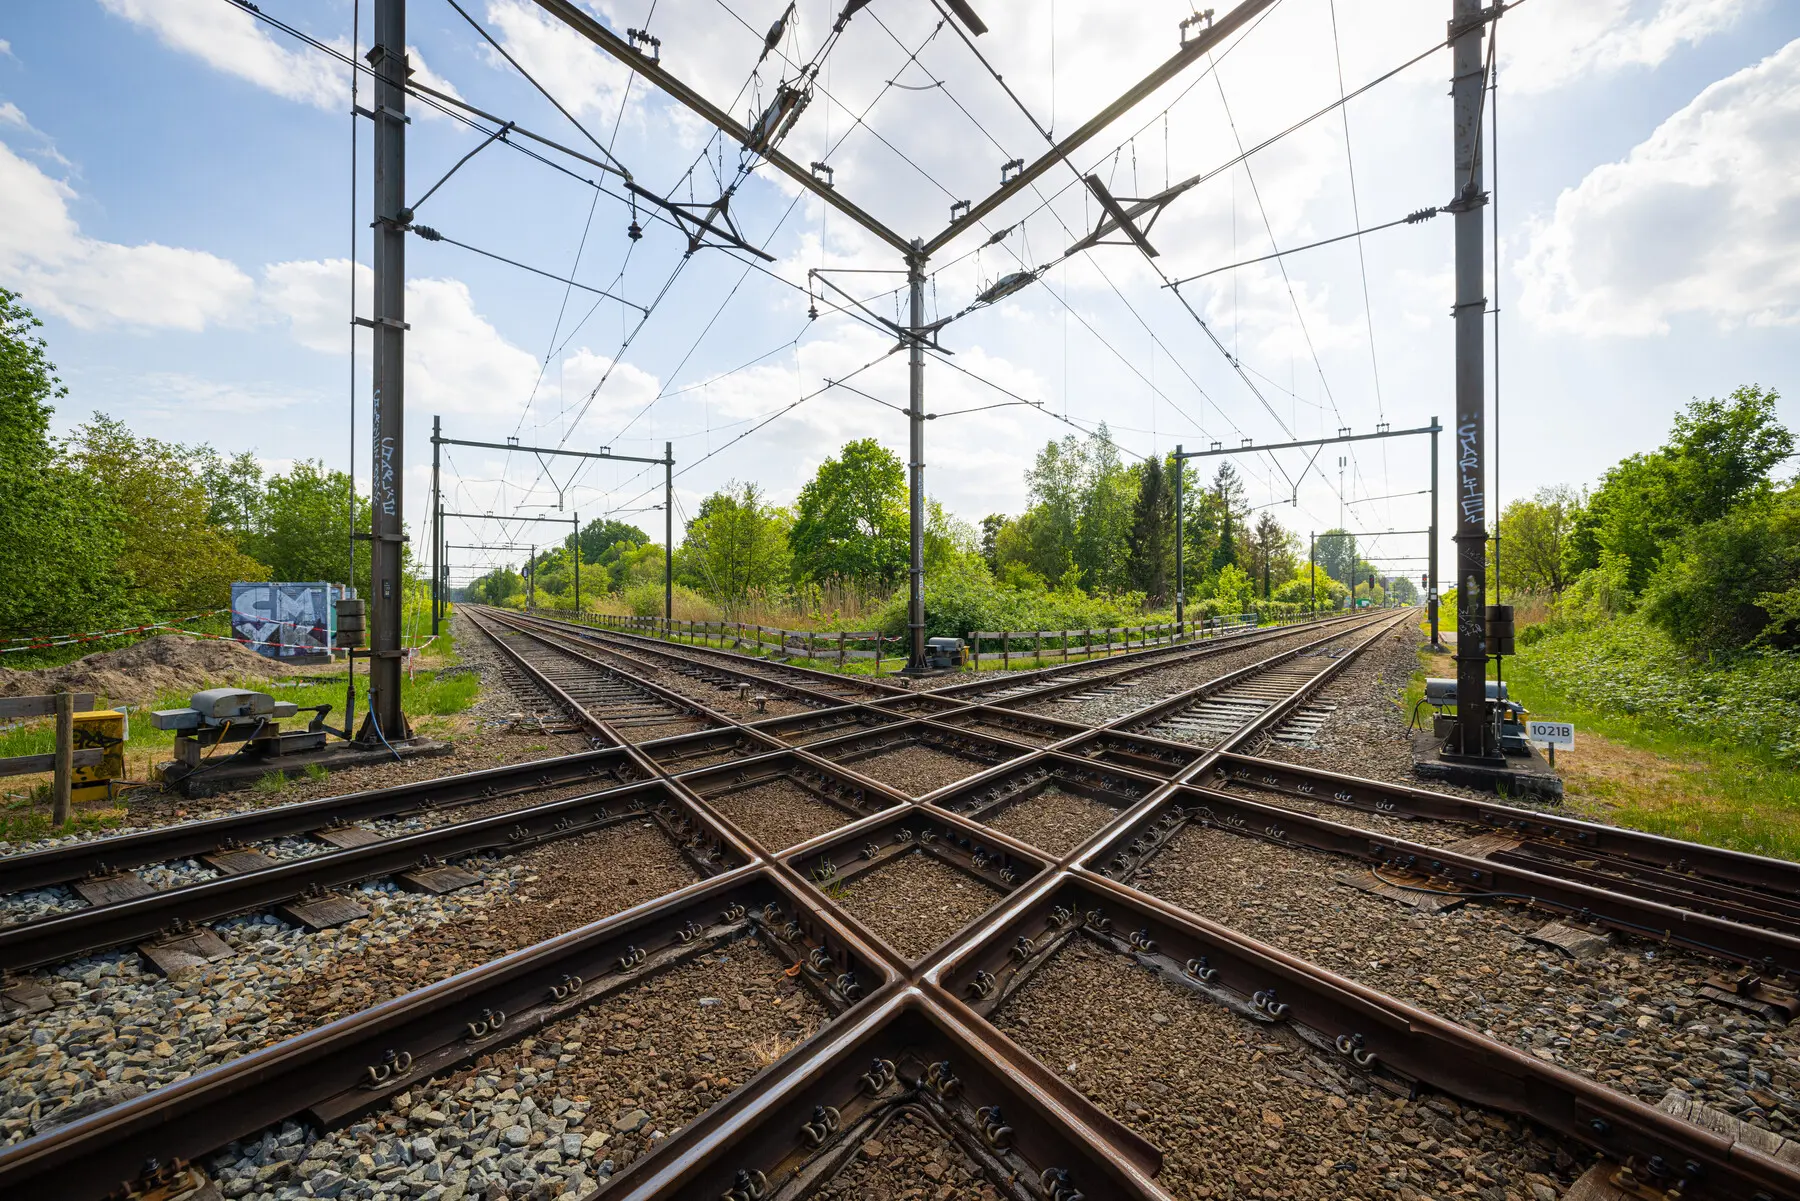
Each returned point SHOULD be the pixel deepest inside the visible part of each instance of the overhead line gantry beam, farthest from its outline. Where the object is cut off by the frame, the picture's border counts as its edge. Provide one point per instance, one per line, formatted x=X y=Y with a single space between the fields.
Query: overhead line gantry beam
x=589 y=27
x=1183 y=58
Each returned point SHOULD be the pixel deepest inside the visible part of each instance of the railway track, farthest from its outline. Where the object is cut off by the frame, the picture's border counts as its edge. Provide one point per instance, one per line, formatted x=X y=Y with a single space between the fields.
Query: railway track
x=961 y=892
x=721 y=667
x=635 y=710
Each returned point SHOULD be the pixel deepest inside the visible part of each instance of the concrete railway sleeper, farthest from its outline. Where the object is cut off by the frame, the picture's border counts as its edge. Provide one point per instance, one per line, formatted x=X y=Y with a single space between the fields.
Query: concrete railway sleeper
x=1397 y=1048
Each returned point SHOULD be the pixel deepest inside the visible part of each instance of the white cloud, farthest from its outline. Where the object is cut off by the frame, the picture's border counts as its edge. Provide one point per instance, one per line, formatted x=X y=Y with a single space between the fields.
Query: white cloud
x=91 y=282
x=1547 y=46
x=6 y=50
x=1700 y=218
x=456 y=361
x=584 y=78
x=10 y=114
x=229 y=39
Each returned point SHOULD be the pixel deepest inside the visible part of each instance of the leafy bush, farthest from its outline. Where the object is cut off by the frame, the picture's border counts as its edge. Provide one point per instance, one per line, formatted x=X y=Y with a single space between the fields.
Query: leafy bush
x=1629 y=665
x=966 y=598
x=1721 y=586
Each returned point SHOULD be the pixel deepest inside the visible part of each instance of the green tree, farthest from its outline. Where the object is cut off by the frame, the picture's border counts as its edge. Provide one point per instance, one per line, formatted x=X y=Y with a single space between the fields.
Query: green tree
x=303 y=528
x=600 y=537
x=1270 y=553
x=175 y=559
x=498 y=587
x=1719 y=455
x=1733 y=581
x=234 y=488
x=1534 y=536
x=59 y=532
x=1102 y=549
x=851 y=520
x=949 y=540
x=1233 y=590
x=1336 y=553
x=735 y=547
x=1151 y=537
x=991 y=525
x=1232 y=511
x=1722 y=451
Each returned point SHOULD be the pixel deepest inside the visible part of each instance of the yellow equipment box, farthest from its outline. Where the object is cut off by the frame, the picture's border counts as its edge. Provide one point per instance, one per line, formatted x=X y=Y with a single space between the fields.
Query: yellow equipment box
x=102 y=730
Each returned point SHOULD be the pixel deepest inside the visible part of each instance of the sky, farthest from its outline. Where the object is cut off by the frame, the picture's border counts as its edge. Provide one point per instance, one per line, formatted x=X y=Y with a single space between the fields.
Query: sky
x=183 y=189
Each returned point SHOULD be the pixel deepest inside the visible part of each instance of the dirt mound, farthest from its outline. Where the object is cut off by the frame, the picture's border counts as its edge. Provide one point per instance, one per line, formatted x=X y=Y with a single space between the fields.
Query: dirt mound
x=143 y=671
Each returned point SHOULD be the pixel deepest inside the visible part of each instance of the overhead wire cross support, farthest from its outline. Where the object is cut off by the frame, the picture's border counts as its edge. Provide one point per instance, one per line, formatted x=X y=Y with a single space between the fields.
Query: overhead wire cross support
x=1122 y=214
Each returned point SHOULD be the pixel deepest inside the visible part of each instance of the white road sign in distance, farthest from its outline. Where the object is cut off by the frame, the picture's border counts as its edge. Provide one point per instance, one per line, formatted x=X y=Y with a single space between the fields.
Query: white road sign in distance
x=1552 y=733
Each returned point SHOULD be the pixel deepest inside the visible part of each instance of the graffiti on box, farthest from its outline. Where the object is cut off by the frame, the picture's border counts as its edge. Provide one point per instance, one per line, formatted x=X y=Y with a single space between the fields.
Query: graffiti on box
x=285 y=620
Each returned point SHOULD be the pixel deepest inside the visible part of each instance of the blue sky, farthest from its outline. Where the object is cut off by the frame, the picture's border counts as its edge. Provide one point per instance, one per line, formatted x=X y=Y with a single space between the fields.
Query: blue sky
x=175 y=203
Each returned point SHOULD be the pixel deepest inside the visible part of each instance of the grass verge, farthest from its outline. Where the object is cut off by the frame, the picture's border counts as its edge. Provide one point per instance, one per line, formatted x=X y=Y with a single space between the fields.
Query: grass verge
x=1653 y=770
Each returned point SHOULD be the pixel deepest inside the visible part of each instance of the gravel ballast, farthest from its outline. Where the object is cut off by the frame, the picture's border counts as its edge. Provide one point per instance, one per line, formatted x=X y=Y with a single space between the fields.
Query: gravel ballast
x=558 y=1113
x=119 y=1026
x=1630 y=1018
x=916 y=770
x=915 y=902
x=778 y=814
x=1242 y=1109
x=1054 y=820
x=909 y=1158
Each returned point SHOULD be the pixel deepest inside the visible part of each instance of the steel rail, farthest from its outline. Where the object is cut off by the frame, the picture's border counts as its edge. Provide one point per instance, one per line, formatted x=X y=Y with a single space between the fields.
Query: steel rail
x=1619 y=906
x=682 y=704
x=1052 y=1130
x=1151 y=656
x=1142 y=659
x=745 y=662
x=113 y=853
x=565 y=635
x=1753 y=873
x=80 y=932
x=690 y=1163
x=349 y=1066
x=1401 y=1043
